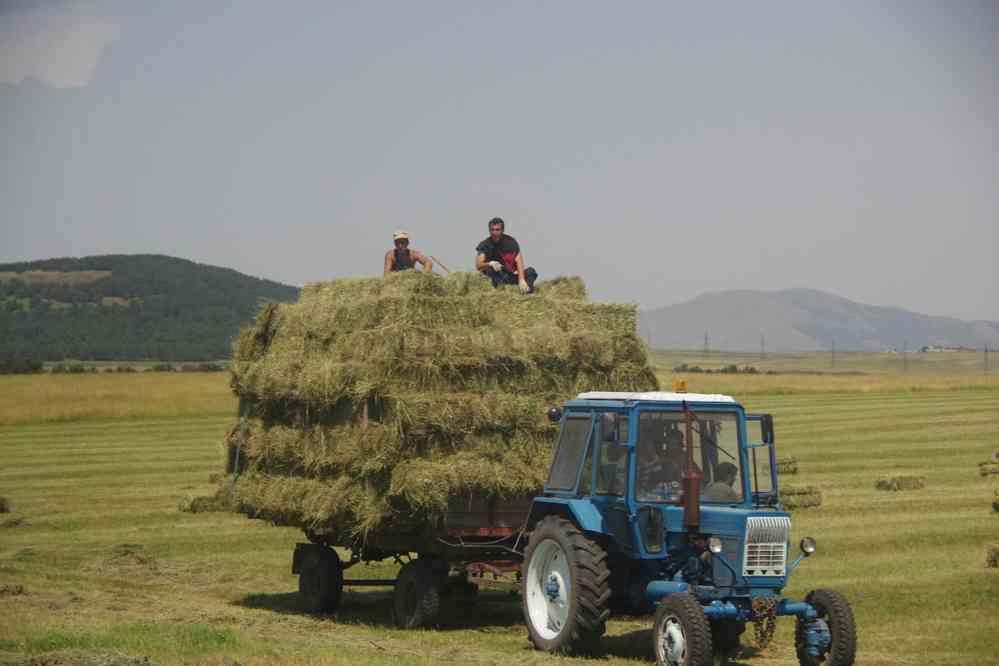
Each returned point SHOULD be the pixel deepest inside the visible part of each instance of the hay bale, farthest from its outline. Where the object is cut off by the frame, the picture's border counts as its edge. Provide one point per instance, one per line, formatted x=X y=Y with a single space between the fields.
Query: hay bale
x=995 y=502
x=988 y=468
x=787 y=465
x=370 y=403
x=800 y=497
x=992 y=556
x=4 y=505
x=900 y=482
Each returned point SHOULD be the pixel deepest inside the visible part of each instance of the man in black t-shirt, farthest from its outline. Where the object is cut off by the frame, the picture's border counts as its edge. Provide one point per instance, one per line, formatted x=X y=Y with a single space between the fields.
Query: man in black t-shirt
x=500 y=259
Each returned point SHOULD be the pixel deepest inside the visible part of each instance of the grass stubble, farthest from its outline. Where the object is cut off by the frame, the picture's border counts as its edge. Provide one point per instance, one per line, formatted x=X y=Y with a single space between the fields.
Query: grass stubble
x=102 y=559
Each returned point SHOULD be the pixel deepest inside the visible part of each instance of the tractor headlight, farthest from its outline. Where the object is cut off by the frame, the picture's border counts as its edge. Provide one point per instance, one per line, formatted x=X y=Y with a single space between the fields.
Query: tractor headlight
x=715 y=545
x=807 y=546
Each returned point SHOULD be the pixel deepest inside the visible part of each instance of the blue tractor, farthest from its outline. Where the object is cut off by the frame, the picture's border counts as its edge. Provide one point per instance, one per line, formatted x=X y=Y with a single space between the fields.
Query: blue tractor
x=661 y=501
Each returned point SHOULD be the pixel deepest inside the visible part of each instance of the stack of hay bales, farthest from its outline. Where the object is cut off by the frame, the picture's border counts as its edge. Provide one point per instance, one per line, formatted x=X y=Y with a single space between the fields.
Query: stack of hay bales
x=371 y=403
x=787 y=465
x=902 y=482
x=800 y=497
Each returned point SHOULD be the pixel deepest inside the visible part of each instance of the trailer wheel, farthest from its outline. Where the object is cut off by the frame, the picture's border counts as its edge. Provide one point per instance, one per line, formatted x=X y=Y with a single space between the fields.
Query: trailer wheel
x=834 y=610
x=725 y=636
x=416 y=601
x=320 y=580
x=565 y=588
x=680 y=632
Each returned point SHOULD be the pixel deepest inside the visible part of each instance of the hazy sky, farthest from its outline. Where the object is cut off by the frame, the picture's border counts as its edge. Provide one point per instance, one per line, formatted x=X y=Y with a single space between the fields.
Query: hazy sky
x=658 y=149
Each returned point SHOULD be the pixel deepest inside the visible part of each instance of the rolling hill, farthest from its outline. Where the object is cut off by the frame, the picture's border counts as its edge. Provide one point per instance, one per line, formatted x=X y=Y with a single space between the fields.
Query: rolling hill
x=126 y=307
x=803 y=320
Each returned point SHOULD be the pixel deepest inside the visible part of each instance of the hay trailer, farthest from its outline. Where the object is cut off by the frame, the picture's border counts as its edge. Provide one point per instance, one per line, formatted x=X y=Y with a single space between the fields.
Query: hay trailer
x=655 y=502
x=476 y=537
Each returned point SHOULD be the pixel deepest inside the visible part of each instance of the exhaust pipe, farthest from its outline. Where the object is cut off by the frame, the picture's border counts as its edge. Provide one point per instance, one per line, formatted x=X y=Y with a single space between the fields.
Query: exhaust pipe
x=690 y=478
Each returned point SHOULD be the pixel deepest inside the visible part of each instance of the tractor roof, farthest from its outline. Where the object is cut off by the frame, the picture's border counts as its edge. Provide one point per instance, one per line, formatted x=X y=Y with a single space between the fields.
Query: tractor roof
x=655 y=396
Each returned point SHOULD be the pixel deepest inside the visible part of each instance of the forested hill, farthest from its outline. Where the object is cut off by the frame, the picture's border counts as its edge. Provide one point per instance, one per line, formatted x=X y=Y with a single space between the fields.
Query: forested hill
x=126 y=307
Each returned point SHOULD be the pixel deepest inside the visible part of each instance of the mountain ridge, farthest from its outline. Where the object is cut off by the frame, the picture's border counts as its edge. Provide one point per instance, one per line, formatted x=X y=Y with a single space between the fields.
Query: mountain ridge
x=803 y=319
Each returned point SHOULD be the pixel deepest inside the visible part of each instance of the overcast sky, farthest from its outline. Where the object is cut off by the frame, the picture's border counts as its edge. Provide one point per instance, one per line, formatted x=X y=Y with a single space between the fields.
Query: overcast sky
x=660 y=150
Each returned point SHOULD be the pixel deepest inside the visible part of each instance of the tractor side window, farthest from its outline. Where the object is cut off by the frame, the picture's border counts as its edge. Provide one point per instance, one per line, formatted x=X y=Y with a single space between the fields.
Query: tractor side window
x=571 y=448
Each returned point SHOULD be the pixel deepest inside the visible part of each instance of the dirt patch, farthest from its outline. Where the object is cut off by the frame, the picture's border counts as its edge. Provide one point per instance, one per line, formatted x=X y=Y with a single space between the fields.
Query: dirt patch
x=12 y=590
x=82 y=658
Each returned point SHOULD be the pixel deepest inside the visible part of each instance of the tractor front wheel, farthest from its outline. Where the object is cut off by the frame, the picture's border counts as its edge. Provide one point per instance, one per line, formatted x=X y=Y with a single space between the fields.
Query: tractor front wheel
x=565 y=588
x=681 y=634
x=320 y=580
x=834 y=612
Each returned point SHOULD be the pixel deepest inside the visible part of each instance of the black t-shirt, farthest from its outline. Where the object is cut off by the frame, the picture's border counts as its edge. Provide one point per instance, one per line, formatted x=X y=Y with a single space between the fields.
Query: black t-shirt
x=504 y=251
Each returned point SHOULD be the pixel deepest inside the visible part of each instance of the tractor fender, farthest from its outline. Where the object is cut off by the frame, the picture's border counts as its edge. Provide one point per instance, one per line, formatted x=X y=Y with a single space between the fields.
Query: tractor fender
x=581 y=513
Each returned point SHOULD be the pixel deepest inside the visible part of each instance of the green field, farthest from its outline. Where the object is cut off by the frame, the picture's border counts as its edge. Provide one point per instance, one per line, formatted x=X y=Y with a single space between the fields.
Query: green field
x=96 y=556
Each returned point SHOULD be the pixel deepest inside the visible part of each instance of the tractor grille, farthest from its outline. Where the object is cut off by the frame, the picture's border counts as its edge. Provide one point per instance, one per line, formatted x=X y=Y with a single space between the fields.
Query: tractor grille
x=766 y=546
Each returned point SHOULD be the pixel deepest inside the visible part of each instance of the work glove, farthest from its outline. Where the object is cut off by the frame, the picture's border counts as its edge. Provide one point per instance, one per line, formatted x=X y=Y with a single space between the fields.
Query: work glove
x=524 y=287
x=495 y=265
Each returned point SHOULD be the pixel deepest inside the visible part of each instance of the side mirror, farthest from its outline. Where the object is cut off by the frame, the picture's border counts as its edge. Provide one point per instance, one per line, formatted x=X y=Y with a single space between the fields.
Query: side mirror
x=767 y=428
x=608 y=427
x=554 y=414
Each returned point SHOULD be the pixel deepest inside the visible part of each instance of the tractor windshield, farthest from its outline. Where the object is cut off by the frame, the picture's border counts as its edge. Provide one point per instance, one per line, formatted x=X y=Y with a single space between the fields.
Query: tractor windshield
x=662 y=451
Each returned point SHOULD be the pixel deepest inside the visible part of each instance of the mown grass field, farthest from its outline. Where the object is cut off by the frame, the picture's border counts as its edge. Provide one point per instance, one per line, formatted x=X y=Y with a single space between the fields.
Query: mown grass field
x=95 y=554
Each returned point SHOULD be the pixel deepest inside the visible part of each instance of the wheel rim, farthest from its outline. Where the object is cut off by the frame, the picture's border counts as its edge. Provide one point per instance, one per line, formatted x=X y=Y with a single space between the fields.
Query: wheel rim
x=549 y=589
x=672 y=644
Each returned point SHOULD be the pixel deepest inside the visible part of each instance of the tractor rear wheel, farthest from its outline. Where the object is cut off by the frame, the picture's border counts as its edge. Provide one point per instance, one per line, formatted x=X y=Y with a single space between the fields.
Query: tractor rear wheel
x=565 y=587
x=834 y=610
x=416 y=601
x=320 y=580
x=680 y=632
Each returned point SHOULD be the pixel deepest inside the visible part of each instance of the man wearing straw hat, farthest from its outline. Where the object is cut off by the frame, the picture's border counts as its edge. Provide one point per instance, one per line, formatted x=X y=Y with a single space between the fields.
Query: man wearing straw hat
x=401 y=258
x=499 y=259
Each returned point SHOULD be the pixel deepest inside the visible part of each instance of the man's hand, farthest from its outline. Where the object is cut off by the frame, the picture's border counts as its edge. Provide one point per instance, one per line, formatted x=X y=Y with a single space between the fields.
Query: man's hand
x=495 y=265
x=524 y=287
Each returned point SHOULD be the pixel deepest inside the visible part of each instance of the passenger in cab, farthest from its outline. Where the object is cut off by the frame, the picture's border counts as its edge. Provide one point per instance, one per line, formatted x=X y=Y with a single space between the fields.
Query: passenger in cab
x=722 y=489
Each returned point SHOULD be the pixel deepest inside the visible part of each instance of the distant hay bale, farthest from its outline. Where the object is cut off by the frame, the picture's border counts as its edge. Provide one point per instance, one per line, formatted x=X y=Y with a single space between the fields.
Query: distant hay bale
x=901 y=482
x=992 y=556
x=988 y=468
x=800 y=497
x=995 y=502
x=787 y=465
x=4 y=505
x=220 y=501
x=370 y=403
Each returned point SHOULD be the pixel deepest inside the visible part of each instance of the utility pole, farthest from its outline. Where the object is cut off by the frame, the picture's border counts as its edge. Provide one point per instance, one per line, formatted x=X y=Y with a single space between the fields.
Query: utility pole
x=986 y=358
x=763 y=346
x=905 y=357
x=834 y=353
x=707 y=345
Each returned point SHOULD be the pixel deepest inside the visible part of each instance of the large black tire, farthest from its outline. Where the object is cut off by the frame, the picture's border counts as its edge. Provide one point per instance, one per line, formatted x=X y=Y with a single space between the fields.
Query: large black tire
x=576 y=617
x=416 y=601
x=835 y=610
x=725 y=636
x=681 y=634
x=320 y=580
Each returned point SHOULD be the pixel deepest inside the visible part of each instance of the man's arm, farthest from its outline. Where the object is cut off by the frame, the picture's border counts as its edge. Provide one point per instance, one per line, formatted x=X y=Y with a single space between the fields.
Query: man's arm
x=424 y=260
x=480 y=262
x=519 y=261
x=388 y=262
